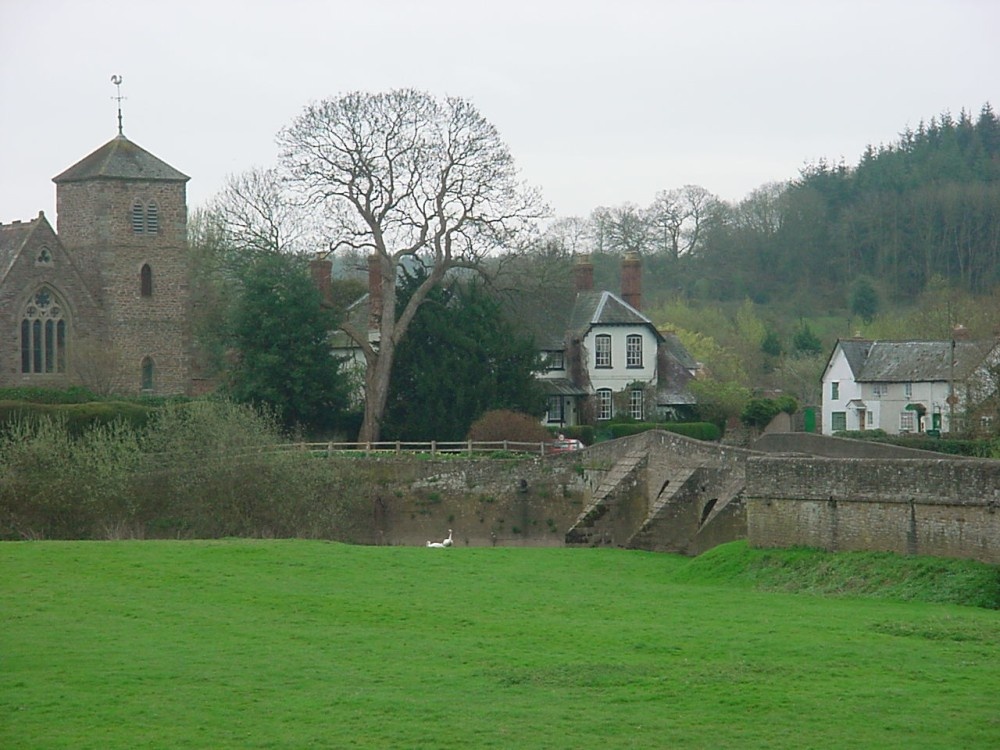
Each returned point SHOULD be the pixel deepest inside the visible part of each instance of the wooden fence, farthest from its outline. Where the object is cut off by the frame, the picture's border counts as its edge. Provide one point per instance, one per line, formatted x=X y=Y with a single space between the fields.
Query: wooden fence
x=434 y=447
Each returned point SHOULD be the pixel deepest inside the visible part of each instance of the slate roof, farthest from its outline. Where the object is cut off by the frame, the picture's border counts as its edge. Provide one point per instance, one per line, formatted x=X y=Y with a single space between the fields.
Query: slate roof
x=921 y=361
x=856 y=352
x=120 y=159
x=13 y=237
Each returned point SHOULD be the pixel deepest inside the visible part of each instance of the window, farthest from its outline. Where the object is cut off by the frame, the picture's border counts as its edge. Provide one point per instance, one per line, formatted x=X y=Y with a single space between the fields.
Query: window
x=635 y=404
x=906 y=421
x=880 y=390
x=838 y=421
x=554 y=361
x=147 y=374
x=43 y=334
x=555 y=409
x=908 y=390
x=871 y=418
x=146 y=281
x=604 y=410
x=44 y=257
x=603 y=350
x=834 y=390
x=145 y=218
x=152 y=219
x=138 y=218
x=633 y=351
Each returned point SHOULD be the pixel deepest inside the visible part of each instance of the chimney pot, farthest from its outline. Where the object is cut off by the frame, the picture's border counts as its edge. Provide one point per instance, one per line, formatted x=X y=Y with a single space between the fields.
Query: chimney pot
x=632 y=279
x=583 y=274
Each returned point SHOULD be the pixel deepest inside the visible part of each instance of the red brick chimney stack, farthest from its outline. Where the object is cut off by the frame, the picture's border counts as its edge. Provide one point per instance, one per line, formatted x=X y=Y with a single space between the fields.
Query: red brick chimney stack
x=321 y=269
x=632 y=279
x=583 y=274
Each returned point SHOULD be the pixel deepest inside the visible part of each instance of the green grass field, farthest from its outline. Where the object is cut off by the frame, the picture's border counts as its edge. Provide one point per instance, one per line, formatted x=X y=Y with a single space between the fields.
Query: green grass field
x=295 y=644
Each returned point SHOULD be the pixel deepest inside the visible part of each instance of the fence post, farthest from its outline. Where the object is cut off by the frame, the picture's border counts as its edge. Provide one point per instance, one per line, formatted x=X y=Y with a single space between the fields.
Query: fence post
x=470 y=448
x=399 y=448
x=434 y=447
x=541 y=448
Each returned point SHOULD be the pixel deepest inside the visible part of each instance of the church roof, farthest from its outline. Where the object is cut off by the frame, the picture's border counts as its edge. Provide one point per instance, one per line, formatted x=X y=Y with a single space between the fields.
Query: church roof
x=121 y=159
x=12 y=238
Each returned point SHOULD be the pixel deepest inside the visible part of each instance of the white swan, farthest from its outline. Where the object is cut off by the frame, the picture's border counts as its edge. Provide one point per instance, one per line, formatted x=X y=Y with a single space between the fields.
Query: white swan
x=448 y=542
x=435 y=544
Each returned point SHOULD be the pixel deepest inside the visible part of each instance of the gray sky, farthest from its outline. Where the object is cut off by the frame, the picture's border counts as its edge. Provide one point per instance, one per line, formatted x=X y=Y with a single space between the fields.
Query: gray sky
x=601 y=102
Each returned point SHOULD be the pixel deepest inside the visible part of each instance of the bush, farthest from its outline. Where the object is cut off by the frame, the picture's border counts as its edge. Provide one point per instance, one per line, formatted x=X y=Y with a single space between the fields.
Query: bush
x=502 y=424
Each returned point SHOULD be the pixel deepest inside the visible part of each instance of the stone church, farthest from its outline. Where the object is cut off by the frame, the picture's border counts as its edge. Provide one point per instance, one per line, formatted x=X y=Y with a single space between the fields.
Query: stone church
x=101 y=301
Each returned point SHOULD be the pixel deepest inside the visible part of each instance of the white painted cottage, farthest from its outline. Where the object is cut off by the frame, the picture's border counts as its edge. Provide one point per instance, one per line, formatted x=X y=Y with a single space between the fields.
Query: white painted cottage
x=905 y=387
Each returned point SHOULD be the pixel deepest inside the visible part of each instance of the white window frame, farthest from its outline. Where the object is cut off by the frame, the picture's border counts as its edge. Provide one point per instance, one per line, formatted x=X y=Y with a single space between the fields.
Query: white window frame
x=880 y=390
x=602 y=350
x=838 y=417
x=907 y=422
x=633 y=350
x=605 y=404
x=835 y=390
x=636 y=404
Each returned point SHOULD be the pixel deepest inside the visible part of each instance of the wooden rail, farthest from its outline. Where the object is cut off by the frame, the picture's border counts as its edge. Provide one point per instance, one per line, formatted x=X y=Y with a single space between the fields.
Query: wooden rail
x=434 y=447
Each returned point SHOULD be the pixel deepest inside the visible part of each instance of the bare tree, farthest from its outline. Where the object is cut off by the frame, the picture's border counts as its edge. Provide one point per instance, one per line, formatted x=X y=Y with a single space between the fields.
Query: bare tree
x=678 y=218
x=402 y=174
x=620 y=229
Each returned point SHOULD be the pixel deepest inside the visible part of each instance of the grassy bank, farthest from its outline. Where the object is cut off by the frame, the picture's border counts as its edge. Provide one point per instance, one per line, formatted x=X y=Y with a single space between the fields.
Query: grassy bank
x=293 y=644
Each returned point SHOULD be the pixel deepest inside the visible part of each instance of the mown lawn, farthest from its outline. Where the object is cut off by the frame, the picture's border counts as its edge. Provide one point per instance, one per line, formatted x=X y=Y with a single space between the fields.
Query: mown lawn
x=296 y=644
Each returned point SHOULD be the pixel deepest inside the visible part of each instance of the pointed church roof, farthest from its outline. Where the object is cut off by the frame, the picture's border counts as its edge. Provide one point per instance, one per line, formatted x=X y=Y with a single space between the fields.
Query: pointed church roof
x=121 y=159
x=14 y=236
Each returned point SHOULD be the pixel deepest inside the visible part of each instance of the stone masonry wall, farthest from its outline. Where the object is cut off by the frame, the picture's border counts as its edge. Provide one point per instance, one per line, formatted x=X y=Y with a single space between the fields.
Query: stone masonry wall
x=941 y=507
x=517 y=502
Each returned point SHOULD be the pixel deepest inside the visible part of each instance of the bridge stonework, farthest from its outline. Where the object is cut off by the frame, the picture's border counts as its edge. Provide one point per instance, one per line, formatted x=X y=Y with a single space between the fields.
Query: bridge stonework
x=659 y=491
x=939 y=507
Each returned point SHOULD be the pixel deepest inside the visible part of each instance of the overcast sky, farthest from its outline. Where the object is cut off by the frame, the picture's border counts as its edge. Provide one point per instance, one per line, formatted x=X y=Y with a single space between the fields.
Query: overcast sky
x=601 y=102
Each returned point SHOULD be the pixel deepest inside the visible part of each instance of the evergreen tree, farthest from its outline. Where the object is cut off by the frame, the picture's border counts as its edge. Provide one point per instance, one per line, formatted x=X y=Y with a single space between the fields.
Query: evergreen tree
x=282 y=354
x=460 y=359
x=864 y=300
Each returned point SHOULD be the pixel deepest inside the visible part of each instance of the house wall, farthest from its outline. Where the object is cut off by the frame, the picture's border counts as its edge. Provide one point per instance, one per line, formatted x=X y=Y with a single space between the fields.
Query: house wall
x=839 y=371
x=942 y=507
x=618 y=376
x=888 y=408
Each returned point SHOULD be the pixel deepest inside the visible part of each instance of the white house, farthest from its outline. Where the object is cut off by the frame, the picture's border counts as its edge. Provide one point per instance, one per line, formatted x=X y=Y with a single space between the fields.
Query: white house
x=605 y=358
x=905 y=387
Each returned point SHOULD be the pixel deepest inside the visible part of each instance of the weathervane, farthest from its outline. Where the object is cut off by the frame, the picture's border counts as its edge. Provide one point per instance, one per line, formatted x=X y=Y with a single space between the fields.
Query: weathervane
x=117 y=81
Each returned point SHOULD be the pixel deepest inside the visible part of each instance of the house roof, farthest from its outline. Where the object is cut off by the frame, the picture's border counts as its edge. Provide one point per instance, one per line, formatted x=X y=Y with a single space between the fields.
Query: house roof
x=120 y=159
x=856 y=352
x=921 y=361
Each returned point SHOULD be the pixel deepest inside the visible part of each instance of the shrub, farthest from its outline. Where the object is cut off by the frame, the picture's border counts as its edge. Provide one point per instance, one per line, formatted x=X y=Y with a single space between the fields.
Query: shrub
x=502 y=424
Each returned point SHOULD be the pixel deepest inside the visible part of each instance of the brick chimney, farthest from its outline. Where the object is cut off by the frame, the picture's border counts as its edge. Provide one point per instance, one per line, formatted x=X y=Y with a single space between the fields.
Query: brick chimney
x=320 y=269
x=583 y=274
x=374 y=291
x=632 y=279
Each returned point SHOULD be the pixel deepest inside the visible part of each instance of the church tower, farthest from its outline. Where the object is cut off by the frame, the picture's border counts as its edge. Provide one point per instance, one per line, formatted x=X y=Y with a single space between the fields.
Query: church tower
x=122 y=215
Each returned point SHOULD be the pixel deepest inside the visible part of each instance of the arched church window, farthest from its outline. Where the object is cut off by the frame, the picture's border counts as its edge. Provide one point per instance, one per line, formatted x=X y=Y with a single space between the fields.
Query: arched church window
x=147 y=374
x=152 y=219
x=146 y=281
x=138 y=218
x=43 y=334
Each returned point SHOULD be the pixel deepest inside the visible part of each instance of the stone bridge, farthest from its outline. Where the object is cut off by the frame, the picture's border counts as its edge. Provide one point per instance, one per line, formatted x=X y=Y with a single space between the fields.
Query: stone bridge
x=663 y=492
